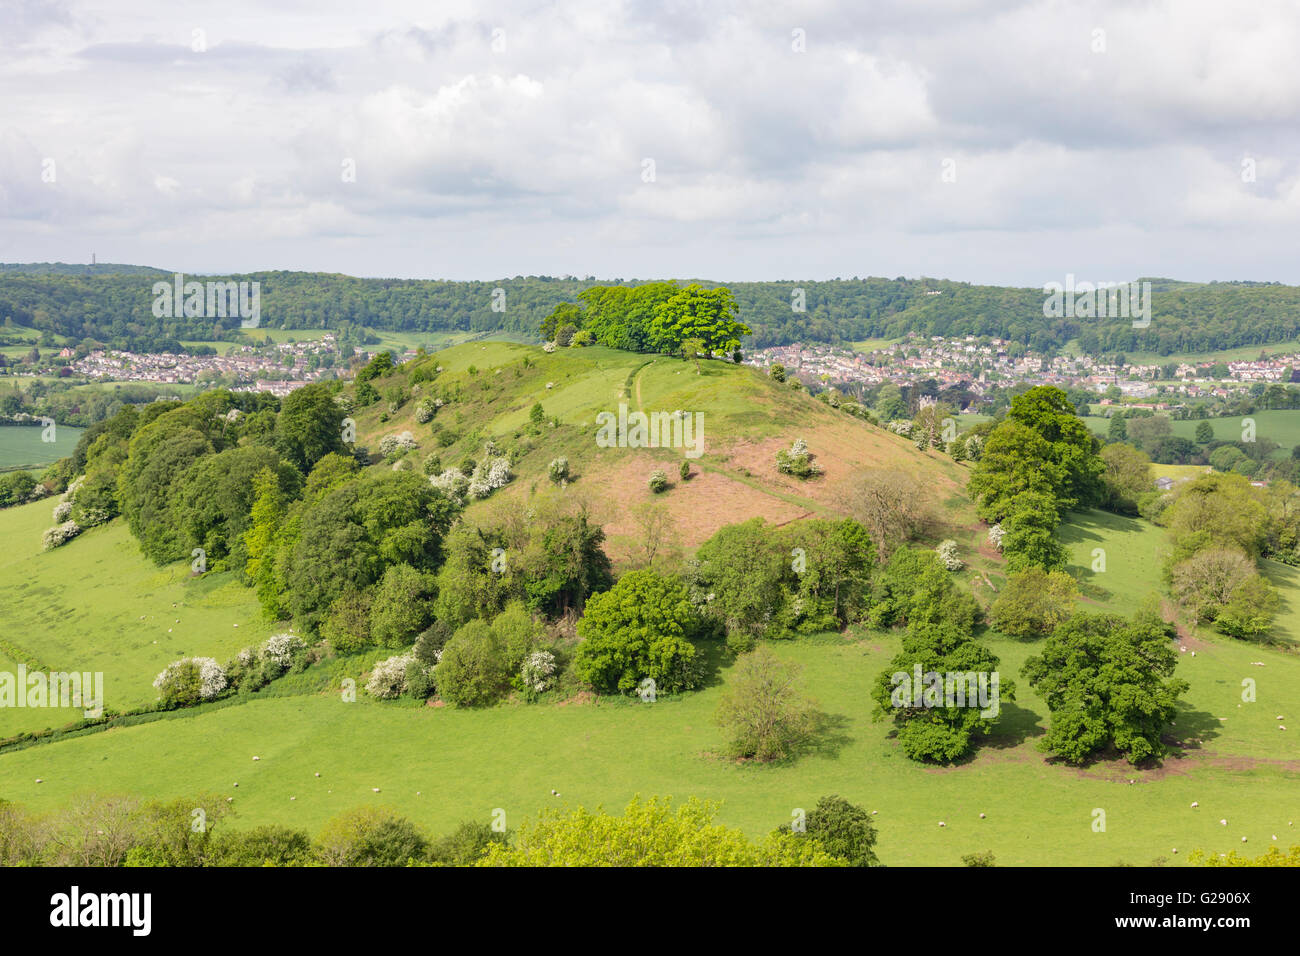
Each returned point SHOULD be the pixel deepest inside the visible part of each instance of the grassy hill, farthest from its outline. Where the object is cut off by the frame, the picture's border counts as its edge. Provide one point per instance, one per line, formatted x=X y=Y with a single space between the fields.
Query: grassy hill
x=746 y=419
x=96 y=604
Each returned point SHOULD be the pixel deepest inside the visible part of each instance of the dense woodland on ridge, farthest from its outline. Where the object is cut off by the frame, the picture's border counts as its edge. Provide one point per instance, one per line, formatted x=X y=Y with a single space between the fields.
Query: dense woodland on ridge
x=113 y=304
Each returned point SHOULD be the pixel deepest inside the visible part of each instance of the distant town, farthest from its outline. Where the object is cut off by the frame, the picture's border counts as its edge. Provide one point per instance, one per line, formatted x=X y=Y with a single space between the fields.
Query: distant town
x=981 y=363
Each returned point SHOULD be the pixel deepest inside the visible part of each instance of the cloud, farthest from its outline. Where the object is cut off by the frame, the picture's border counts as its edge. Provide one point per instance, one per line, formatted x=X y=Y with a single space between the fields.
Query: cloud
x=514 y=138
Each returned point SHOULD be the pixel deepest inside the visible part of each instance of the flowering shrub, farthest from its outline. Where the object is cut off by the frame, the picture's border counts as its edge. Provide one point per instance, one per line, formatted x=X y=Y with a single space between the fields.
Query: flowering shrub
x=948 y=555
x=797 y=460
x=975 y=447
x=62 y=511
x=558 y=470
x=280 y=648
x=61 y=534
x=995 y=536
x=452 y=483
x=658 y=481
x=548 y=347
x=394 y=446
x=388 y=679
x=489 y=475
x=190 y=680
x=425 y=410
x=538 y=672
x=901 y=427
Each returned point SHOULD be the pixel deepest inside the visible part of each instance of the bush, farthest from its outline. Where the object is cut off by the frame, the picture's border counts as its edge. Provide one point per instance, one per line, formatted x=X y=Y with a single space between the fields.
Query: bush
x=538 y=672
x=762 y=710
x=473 y=670
x=1034 y=603
x=465 y=845
x=797 y=461
x=281 y=649
x=402 y=606
x=388 y=678
x=843 y=829
x=347 y=625
x=425 y=410
x=371 y=836
x=685 y=470
x=393 y=447
x=658 y=481
x=558 y=470
x=190 y=680
x=61 y=534
x=777 y=372
x=489 y=475
x=947 y=551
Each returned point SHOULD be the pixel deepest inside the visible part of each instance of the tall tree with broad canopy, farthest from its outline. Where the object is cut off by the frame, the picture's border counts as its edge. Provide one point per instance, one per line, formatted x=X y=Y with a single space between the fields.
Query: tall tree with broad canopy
x=1108 y=683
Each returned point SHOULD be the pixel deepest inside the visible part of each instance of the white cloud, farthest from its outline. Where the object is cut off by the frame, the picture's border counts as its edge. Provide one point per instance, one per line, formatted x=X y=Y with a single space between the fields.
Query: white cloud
x=526 y=155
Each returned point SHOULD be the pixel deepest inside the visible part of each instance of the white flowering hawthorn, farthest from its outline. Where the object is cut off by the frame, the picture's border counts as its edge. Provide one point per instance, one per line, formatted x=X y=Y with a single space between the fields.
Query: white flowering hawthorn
x=280 y=648
x=388 y=679
x=538 y=671
x=489 y=475
x=995 y=536
x=948 y=555
x=452 y=484
x=212 y=678
x=61 y=534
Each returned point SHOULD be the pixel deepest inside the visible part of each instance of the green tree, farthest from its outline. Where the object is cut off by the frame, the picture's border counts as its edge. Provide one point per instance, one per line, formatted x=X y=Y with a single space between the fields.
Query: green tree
x=310 y=426
x=1108 y=683
x=763 y=709
x=843 y=829
x=639 y=629
x=1204 y=433
x=402 y=606
x=474 y=670
x=649 y=833
x=1034 y=602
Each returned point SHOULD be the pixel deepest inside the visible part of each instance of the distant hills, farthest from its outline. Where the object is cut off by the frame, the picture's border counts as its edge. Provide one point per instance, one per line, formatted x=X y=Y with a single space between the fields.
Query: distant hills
x=113 y=303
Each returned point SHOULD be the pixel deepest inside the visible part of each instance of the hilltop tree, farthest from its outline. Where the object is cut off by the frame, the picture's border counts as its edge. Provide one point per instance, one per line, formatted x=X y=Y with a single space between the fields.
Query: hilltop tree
x=696 y=312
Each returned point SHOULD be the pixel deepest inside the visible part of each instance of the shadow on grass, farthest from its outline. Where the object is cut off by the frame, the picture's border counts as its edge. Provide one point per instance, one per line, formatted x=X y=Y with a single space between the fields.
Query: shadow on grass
x=827 y=737
x=1015 y=725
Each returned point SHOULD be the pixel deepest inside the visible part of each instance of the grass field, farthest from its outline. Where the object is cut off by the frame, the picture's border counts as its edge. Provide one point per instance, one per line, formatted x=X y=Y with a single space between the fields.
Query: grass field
x=21 y=446
x=95 y=604
x=98 y=605
x=440 y=765
x=1279 y=425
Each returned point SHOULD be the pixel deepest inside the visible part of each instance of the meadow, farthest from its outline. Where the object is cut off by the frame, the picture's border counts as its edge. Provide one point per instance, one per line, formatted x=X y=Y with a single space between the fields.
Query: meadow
x=1278 y=425
x=22 y=447
x=96 y=604
x=440 y=765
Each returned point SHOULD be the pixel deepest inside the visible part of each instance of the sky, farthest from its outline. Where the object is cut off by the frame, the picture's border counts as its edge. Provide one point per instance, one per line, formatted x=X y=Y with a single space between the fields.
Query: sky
x=996 y=142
